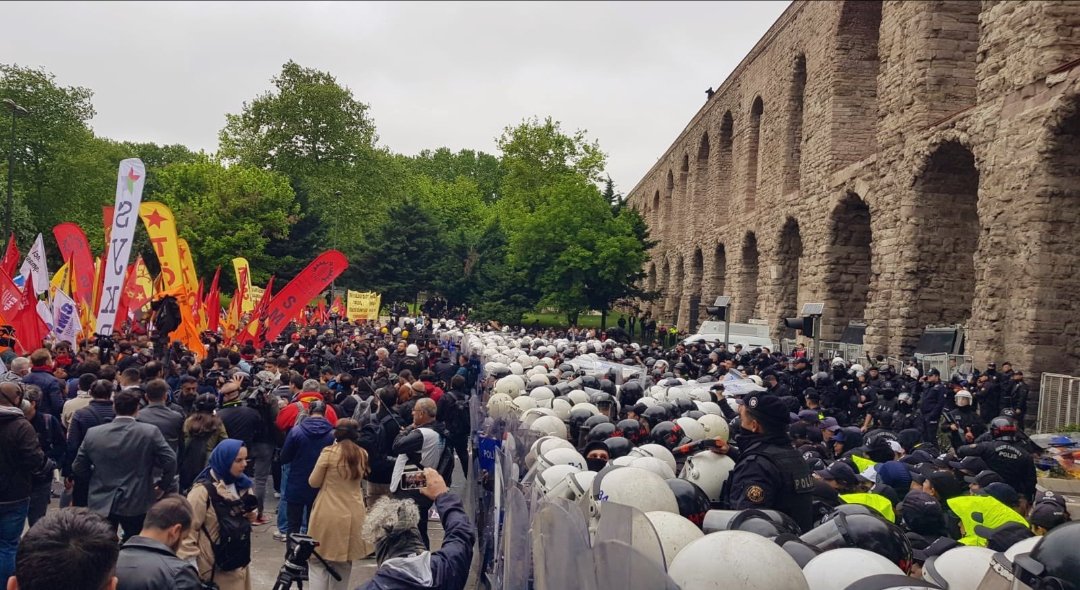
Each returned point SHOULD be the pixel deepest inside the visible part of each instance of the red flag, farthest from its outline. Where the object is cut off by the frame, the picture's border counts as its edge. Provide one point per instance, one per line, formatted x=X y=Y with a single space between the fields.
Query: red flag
x=74 y=246
x=289 y=303
x=213 y=303
x=10 y=262
x=264 y=300
x=30 y=330
x=11 y=299
x=338 y=307
x=199 y=296
x=321 y=316
x=129 y=295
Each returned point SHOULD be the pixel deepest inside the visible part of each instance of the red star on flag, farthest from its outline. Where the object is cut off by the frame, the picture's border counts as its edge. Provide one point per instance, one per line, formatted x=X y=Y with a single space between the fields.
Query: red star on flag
x=154 y=219
x=131 y=178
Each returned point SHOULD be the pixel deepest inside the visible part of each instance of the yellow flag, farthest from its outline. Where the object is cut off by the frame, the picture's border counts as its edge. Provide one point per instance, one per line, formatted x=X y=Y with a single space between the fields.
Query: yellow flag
x=243 y=282
x=161 y=227
x=61 y=281
x=362 y=306
x=187 y=267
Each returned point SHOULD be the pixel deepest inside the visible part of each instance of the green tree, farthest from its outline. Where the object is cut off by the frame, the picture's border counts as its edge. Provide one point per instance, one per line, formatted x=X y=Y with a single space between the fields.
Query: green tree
x=485 y=170
x=404 y=254
x=225 y=212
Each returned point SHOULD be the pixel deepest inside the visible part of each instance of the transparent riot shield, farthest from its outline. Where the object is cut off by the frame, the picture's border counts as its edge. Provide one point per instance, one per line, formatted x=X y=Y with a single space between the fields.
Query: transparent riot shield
x=562 y=556
x=629 y=525
x=620 y=566
x=517 y=548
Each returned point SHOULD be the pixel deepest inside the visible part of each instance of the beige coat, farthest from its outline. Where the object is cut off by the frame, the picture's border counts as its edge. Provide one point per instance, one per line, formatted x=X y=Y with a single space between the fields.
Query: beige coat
x=339 y=512
x=197 y=543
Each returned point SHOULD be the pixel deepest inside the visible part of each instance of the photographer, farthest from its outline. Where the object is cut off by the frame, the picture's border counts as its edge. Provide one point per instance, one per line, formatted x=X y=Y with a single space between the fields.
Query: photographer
x=223 y=508
x=403 y=560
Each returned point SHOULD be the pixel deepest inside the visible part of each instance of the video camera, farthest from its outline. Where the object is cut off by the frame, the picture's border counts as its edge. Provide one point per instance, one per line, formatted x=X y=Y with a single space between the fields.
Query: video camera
x=295 y=567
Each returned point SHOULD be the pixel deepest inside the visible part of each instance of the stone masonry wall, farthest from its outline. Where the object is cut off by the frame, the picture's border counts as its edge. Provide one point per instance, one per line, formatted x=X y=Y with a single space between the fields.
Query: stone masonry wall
x=906 y=163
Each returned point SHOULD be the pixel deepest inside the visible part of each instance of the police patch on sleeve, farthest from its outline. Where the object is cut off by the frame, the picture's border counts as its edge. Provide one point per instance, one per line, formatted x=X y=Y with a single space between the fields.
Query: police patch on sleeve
x=755 y=494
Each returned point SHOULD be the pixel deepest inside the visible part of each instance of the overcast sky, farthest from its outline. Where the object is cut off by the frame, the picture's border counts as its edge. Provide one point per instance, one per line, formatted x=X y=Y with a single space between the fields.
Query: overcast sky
x=445 y=74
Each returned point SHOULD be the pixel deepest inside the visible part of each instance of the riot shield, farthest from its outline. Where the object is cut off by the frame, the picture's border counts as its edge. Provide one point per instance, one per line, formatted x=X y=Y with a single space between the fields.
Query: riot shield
x=562 y=557
x=629 y=525
x=620 y=566
x=517 y=551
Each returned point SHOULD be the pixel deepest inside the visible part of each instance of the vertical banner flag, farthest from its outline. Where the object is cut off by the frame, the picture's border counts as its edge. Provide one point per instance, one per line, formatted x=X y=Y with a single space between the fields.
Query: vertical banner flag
x=11 y=258
x=144 y=283
x=74 y=246
x=61 y=281
x=161 y=227
x=213 y=304
x=66 y=325
x=187 y=267
x=243 y=283
x=11 y=299
x=290 y=302
x=35 y=265
x=129 y=187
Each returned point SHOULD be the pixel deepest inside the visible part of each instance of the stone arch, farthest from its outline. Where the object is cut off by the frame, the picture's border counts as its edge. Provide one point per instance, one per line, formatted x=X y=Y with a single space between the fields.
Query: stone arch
x=701 y=173
x=797 y=105
x=788 y=257
x=683 y=185
x=656 y=215
x=1054 y=266
x=669 y=200
x=717 y=277
x=747 y=299
x=855 y=92
x=694 y=308
x=675 y=289
x=753 y=149
x=849 y=258
x=662 y=288
x=946 y=238
x=725 y=167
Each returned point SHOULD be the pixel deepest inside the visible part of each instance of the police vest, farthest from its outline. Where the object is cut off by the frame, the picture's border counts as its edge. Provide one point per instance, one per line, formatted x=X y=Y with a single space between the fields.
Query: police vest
x=797 y=483
x=879 y=503
x=980 y=515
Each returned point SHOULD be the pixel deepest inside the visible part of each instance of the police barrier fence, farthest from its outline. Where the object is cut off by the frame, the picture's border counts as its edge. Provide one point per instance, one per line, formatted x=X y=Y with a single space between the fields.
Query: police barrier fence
x=1059 y=402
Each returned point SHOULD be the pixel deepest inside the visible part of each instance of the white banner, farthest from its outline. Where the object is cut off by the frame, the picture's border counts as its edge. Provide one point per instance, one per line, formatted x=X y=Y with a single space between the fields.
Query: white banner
x=65 y=324
x=35 y=265
x=129 y=187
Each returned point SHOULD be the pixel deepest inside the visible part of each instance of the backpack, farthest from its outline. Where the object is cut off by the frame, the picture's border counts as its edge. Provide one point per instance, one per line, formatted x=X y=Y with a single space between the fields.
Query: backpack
x=233 y=548
x=459 y=422
x=193 y=459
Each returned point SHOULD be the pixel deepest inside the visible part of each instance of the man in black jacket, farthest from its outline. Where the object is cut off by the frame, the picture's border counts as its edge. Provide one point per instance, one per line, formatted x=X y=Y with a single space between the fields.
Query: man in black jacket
x=454 y=413
x=148 y=560
x=99 y=411
x=51 y=438
x=20 y=457
x=377 y=438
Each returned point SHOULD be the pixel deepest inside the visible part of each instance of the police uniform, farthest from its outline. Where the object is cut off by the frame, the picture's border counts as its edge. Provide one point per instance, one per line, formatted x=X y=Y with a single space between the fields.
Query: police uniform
x=769 y=473
x=1009 y=460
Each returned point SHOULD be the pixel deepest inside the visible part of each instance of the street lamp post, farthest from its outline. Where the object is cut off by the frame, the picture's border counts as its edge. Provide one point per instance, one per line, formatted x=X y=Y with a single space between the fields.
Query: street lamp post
x=16 y=111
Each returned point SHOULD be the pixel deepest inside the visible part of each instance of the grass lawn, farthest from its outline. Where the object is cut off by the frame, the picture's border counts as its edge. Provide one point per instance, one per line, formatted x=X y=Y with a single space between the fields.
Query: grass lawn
x=558 y=320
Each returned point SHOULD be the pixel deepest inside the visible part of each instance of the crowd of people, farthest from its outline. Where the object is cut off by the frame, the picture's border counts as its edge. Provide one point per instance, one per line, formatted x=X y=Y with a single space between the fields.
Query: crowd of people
x=172 y=458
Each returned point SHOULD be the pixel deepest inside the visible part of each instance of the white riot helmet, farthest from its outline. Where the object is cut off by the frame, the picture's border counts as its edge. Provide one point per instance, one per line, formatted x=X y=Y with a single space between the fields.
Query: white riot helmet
x=560 y=456
x=709 y=407
x=757 y=380
x=501 y=407
x=549 y=425
x=963 y=398
x=529 y=416
x=709 y=471
x=561 y=408
x=542 y=393
x=548 y=362
x=573 y=487
x=691 y=428
x=553 y=476
x=624 y=461
x=586 y=405
x=516 y=368
x=736 y=559
x=543 y=445
x=639 y=489
x=654 y=450
x=577 y=396
x=960 y=568
x=524 y=403
x=657 y=466
x=538 y=379
x=511 y=385
x=839 y=568
x=715 y=426
x=674 y=532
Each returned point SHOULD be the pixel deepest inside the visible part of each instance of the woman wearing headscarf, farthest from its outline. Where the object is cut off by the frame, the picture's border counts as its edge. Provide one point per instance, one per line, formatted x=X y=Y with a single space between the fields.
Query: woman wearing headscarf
x=222 y=493
x=338 y=516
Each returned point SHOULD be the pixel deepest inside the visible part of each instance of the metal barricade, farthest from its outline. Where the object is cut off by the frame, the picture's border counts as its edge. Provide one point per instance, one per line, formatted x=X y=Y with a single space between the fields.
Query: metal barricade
x=949 y=365
x=787 y=345
x=849 y=352
x=1059 y=402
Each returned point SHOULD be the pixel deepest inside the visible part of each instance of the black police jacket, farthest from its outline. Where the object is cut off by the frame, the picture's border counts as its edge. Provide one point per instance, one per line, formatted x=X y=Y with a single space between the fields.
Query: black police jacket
x=1009 y=459
x=771 y=475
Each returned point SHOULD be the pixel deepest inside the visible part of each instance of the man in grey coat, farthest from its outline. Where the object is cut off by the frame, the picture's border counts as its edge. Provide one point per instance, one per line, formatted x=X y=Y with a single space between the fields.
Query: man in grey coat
x=148 y=560
x=169 y=421
x=119 y=460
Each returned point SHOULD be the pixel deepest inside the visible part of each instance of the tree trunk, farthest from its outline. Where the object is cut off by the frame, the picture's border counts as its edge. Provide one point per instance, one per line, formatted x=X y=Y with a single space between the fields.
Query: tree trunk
x=603 y=319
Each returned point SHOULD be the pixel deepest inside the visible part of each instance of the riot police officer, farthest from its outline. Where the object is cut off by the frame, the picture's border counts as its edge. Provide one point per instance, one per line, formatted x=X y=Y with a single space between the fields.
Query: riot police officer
x=769 y=473
x=932 y=404
x=1004 y=456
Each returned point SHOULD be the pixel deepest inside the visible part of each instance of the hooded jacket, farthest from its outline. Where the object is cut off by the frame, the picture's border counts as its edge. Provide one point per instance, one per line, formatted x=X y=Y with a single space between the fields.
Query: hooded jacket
x=445 y=569
x=302 y=448
x=20 y=454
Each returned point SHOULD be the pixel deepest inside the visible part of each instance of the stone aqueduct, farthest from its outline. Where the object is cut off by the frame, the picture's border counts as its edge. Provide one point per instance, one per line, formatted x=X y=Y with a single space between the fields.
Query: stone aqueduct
x=907 y=163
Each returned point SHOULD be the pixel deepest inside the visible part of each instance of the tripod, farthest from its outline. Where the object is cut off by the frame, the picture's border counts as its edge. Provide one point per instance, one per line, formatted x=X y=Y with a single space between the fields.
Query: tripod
x=295 y=567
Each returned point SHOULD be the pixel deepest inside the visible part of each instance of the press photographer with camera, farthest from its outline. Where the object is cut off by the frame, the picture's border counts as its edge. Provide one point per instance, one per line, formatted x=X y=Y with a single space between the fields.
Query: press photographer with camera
x=223 y=507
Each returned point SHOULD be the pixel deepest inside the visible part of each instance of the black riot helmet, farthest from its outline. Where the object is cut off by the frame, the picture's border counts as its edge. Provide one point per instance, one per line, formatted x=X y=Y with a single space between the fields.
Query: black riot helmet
x=655 y=415
x=1053 y=563
x=1003 y=428
x=668 y=435
x=618 y=446
x=600 y=432
x=863 y=531
x=767 y=523
x=684 y=405
x=578 y=416
x=631 y=430
x=693 y=501
x=800 y=551
x=608 y=387
x=630 y=393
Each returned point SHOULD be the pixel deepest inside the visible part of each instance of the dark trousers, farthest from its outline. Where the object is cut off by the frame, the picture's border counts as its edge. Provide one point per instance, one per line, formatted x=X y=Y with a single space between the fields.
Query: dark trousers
x=80 y=492
x=424 y=504
x=461 y=448
x=131 y=525
x=930 y=431
x=40 y=494
x=294 y=513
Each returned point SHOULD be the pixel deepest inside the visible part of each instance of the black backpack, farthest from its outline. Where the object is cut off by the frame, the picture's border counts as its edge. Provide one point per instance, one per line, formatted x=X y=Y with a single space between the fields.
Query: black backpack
x=233 y=548
x=459 y=422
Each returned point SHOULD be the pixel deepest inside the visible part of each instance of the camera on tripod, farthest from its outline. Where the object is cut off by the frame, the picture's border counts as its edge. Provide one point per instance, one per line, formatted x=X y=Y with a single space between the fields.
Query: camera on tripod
x=295 y=568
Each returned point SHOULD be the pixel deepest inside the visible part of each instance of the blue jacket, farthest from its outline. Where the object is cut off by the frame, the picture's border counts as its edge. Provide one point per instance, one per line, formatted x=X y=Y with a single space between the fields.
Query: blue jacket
x=301 y=450
x=445 y=569
x=52 y=397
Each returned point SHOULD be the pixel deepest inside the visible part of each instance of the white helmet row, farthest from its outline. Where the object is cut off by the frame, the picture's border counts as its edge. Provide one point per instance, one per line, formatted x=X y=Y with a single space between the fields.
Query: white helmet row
x=657 y=451
x=708 y=471
x=736 y=559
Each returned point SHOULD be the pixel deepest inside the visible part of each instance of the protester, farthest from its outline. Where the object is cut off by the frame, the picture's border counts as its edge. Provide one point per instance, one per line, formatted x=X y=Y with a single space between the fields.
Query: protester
x=72 y=548
x=157 y=413
x=148 y=560
x=21 y=458
x=99 y=411
x=223 y=507
x=301 y=451
x=51 y=438
x=338 y=515
x=203 y=431
x=119 y=459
